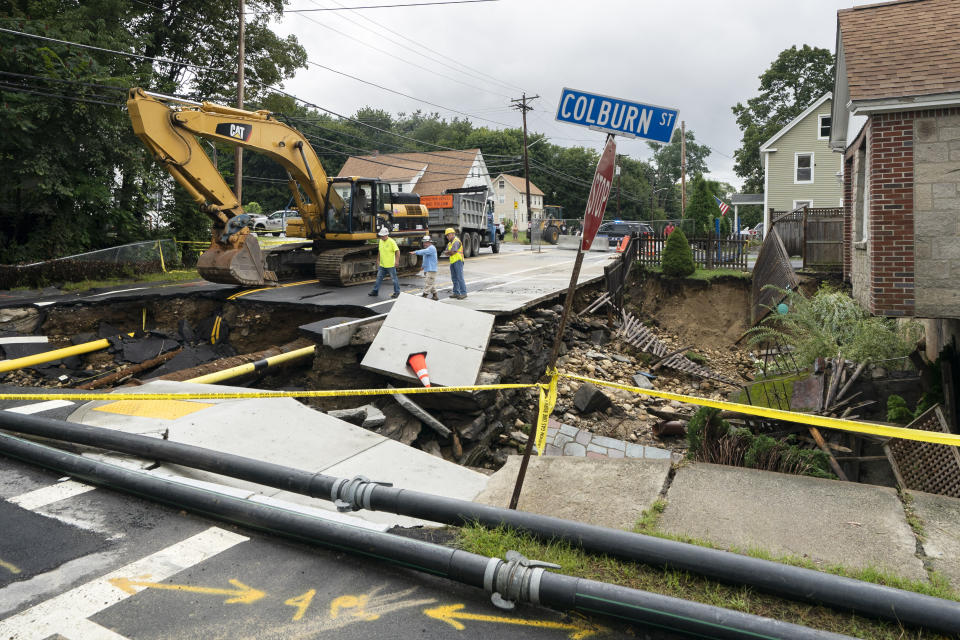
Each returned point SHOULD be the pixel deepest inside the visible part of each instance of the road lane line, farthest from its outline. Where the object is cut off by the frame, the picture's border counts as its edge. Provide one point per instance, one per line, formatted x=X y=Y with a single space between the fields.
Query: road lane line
x=33 y=500
x=40 y=407
x=60 y=614
x=89 y=630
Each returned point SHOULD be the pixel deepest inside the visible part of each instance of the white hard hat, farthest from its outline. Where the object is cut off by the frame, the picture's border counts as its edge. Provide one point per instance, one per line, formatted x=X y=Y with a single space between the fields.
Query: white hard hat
x=384 y=231
x=426 y=239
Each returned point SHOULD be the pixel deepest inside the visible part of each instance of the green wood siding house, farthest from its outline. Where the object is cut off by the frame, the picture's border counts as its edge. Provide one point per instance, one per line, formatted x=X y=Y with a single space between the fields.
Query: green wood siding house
x=799 y=165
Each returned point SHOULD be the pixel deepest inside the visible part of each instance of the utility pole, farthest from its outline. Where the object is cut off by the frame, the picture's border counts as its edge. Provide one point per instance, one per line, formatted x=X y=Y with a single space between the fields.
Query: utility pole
x=617 y=170
x=521 y=104
x=683 y=169
x=238 y=169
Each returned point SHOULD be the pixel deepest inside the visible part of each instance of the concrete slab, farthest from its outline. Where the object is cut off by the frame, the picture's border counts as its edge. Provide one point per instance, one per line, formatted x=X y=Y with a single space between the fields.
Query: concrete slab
x=941 y=527
x=284 y=431
x=828 y=521
x=574 y=488
x=337 y=332
x=455 y=341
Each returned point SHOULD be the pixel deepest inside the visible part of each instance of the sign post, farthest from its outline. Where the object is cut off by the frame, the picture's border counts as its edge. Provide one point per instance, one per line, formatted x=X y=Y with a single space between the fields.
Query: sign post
x=596 y=205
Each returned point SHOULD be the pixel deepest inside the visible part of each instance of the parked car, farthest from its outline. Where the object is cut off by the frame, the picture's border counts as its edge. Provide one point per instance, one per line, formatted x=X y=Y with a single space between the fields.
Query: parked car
x=616 y=229
x=275 y=223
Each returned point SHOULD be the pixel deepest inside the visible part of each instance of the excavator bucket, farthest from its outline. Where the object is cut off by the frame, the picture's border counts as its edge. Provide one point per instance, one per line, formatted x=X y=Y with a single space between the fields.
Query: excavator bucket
x=243 y=265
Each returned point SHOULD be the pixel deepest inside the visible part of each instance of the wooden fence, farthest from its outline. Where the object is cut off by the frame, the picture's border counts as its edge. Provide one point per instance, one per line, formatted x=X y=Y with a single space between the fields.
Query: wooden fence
x=709 y=252
x=815 y=234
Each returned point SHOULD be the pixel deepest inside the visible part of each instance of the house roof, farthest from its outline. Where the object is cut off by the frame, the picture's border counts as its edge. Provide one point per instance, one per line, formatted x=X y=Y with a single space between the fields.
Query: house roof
x=779 y=134
x=899 y=49
x=520 y=184
x=441 y=169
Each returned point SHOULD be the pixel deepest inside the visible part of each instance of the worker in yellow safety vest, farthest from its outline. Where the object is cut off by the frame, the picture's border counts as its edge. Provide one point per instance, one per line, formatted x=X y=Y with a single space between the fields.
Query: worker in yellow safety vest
x=455 y=251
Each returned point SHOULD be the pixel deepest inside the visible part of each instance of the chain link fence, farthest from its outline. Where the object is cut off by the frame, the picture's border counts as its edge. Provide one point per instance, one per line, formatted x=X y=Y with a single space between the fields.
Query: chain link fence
x=126 y=260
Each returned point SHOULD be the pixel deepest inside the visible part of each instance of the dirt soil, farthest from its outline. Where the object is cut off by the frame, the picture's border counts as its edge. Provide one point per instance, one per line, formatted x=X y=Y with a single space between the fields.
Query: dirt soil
x=710 y=314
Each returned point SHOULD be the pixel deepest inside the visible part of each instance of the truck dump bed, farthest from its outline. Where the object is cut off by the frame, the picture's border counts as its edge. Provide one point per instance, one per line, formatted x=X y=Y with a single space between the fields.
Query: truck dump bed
x=467 y=213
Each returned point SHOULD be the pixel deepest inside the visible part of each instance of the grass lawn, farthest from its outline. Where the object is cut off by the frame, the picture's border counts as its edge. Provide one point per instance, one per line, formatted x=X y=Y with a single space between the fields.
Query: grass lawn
x=680 y=584
x=705 y=274
x=169 y=276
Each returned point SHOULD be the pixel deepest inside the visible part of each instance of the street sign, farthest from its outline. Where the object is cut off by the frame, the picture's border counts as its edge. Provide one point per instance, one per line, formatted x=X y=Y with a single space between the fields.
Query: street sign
x=599 y=193
x=437 y=202
x=617 y=116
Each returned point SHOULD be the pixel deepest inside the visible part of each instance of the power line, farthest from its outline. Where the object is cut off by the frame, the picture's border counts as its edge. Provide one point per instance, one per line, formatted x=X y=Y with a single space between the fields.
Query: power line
x=390 y=6
x=63 y=80
x=408 y=42
x=5 y=87
x=122 y=53
x=394 y=56
x=406 y=95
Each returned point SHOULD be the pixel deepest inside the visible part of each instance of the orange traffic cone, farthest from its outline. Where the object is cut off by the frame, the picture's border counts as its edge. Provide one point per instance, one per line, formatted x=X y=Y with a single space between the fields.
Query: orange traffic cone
x=624 y=241
x=418 y=362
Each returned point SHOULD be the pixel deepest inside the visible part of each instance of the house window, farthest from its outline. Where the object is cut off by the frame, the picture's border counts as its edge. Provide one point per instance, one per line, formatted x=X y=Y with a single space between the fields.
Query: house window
x=399 y=188
x=803 y=168
x=502 y=198
x=823 y=122
x=502 y=186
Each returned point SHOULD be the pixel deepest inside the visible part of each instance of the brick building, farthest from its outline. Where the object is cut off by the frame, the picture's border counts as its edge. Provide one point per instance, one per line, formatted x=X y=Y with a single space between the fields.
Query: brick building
x=896 y=120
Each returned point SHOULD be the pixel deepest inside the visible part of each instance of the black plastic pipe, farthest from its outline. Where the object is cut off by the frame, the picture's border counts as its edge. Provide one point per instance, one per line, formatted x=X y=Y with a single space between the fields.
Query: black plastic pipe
x=555 y=591
x=797 y=583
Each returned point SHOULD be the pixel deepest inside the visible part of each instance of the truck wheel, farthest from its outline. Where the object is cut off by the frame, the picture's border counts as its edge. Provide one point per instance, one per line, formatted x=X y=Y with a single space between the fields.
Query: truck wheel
x=476 y=243
x=495 y=247
x=276 y=234
x=551 y=234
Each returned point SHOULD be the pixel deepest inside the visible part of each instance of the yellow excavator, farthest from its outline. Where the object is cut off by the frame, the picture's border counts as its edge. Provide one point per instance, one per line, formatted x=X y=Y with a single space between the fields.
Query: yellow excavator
x=338 y=216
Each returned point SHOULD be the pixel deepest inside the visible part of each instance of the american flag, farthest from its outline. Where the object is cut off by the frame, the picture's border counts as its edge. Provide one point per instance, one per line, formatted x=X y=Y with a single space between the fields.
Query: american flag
x=724 y=207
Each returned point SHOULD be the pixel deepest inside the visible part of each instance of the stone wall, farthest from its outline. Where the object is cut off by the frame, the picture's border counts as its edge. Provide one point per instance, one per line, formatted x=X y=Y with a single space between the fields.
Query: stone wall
x=937 y=213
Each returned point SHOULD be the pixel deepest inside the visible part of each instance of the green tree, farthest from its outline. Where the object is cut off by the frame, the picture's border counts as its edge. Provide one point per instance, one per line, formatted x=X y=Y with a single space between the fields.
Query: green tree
x=667 y=167
x=702 y=208
x=677 y=256
x=797 y=78
x=75 y=176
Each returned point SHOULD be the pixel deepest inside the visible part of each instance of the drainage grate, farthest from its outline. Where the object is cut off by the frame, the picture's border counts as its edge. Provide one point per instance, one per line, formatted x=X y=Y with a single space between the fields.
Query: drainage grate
x=924 y=466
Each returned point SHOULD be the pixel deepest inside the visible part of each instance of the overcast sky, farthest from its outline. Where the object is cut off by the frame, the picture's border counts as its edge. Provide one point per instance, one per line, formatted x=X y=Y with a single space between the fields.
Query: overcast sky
x=698 y=56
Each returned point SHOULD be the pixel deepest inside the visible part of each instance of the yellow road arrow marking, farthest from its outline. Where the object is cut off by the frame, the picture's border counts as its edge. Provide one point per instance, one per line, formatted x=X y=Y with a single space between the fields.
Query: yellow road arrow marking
x=243 y=594
x=452 y=614
x=12 y=568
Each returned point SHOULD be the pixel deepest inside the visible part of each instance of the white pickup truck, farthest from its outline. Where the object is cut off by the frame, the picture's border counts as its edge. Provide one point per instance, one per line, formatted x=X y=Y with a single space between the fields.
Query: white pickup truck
x=275 y=223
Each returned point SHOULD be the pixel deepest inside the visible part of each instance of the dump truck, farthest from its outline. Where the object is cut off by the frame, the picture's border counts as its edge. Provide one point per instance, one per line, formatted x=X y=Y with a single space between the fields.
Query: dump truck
x=469 y=211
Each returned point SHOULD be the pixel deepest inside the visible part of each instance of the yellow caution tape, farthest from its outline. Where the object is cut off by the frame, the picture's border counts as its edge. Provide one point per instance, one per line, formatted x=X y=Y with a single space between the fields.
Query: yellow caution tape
x=868 y=428
x=547 y=402
x=243 y=395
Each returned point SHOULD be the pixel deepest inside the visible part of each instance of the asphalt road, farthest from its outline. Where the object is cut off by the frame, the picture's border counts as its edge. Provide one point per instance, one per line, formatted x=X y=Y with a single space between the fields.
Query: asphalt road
x=520 y=277
x=85 y=563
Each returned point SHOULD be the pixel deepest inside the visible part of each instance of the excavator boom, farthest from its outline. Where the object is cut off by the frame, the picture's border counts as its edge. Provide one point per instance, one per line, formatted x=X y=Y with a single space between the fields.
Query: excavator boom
x=170 y=128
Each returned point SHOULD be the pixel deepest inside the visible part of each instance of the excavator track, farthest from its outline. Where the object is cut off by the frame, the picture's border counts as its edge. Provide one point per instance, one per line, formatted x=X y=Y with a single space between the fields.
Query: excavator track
x=346 y=266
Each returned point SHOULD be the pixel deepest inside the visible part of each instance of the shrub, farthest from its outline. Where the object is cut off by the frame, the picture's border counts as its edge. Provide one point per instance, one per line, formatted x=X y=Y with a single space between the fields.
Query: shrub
x=897 y=410
x=677 y=256
x=832 y=321
x=713 y=440
x=253 y=208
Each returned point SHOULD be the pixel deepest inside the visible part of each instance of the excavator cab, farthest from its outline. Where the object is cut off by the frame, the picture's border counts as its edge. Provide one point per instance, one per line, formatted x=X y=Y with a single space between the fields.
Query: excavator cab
x=361 y=204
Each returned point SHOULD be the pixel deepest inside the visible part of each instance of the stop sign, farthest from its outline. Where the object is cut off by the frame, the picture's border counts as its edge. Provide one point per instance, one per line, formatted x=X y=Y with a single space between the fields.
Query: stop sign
x=599 y=193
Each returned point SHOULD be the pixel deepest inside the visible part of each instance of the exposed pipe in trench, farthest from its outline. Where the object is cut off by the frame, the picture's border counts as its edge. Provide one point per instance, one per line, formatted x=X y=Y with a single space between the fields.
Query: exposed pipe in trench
x=783 y=580
x=513 y=580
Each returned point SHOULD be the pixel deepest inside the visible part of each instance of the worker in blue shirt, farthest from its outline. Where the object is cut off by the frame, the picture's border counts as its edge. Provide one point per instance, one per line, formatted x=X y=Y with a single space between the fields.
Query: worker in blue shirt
x=429 y=253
